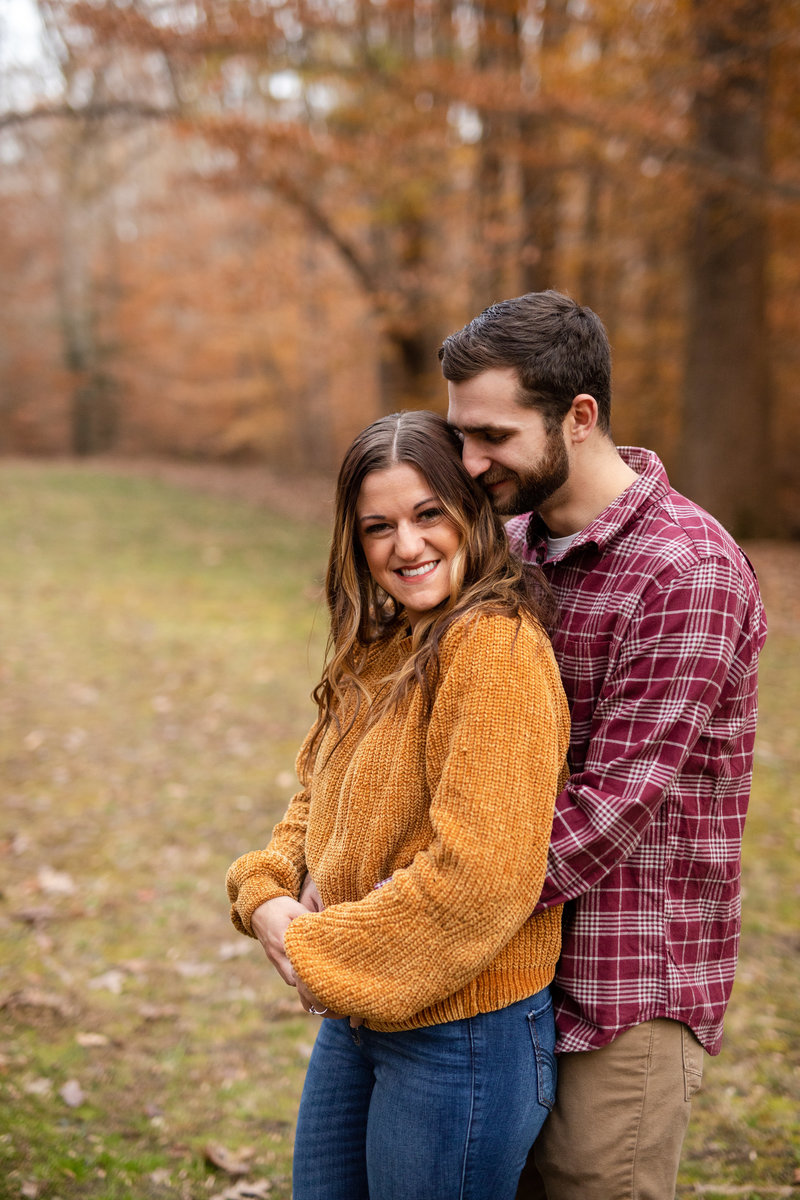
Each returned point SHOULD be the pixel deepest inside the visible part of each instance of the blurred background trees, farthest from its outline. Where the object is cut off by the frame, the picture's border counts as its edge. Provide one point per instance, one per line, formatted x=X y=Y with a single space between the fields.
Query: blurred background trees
x=241 y=228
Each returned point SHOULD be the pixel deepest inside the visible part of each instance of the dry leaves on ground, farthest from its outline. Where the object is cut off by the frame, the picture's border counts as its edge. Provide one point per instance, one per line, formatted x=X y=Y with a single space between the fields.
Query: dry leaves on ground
x=232 y=1162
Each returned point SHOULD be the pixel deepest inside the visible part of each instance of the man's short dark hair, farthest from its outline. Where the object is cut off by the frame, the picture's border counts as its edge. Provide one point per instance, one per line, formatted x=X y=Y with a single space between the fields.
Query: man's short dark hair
x=559 y=349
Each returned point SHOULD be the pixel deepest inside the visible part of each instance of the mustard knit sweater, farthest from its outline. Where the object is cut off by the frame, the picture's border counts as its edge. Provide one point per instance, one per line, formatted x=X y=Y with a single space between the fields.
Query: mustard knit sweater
x=454 y=811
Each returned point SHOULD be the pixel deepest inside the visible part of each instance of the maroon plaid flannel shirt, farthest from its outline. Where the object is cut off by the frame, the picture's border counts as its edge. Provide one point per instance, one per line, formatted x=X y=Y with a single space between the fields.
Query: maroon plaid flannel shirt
x=660 y=629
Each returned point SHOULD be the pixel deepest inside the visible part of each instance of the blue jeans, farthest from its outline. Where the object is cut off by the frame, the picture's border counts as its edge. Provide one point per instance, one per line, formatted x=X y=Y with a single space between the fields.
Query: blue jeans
x=447 y=1112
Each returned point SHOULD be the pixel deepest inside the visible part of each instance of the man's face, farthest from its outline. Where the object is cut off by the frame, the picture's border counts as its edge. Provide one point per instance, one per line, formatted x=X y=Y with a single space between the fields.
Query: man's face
x=507 y=447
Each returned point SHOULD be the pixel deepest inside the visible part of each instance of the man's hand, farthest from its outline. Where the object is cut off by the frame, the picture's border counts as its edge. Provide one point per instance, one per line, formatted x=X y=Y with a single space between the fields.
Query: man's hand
x=269 y=923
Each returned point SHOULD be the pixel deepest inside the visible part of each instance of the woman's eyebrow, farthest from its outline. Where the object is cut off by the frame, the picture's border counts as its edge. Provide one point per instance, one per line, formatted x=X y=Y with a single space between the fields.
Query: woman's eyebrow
x=382 y=516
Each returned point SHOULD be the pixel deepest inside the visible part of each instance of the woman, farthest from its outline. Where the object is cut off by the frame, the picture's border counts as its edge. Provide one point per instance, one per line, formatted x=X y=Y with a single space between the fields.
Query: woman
x=428 y=784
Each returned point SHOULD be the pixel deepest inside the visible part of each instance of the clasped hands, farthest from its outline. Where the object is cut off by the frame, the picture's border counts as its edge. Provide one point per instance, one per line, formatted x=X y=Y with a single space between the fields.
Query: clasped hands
x=269 y=923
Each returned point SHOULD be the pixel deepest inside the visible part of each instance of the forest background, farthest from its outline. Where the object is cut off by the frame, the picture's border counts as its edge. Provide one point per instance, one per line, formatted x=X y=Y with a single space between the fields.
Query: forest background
x=234 y=232
x=240 y=229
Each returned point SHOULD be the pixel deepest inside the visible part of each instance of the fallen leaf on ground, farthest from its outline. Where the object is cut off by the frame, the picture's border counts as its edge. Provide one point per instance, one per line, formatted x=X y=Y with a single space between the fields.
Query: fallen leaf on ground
x=38 y=1087
x=111 y=981
x=243 y=1190
x=194 y=970
x=158 y=1012
x=34 y=916
x=233 y=1162
x=32 y=998
x=91 y=1039
x=55 y=883
x=72 y=1093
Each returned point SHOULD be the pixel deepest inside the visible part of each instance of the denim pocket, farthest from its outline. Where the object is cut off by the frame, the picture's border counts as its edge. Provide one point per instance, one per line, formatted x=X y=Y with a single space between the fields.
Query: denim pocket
x=542 y=1028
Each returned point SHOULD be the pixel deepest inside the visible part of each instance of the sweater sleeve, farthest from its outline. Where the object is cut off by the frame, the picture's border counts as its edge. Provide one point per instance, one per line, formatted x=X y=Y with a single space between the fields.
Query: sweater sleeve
x=496 y=749
x=278 y=870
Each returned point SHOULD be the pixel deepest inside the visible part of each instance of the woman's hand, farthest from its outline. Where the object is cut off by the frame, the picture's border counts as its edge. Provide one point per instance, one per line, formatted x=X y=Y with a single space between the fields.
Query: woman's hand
x=269 y=923
x=310 y=897
x=312 y=1005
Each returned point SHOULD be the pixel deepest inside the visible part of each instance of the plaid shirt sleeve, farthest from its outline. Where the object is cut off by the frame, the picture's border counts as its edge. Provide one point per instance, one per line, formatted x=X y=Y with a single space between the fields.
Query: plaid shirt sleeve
x=655 y=710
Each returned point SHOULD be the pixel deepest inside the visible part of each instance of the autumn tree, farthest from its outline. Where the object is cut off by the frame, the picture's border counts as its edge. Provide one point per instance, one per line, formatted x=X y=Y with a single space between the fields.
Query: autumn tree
x=725 y=455
x=313 y=104
x=357 y=180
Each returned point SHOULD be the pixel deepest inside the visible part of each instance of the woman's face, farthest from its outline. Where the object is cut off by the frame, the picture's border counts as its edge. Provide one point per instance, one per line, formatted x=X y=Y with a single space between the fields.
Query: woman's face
x=408 y=542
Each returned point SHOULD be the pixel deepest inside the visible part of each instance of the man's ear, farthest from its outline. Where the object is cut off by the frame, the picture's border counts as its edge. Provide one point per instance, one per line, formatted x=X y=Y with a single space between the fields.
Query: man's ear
x=581 y=419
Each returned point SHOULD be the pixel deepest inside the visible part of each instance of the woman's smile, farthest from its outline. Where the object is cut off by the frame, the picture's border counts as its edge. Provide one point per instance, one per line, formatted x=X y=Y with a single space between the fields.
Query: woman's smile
x=416 y=572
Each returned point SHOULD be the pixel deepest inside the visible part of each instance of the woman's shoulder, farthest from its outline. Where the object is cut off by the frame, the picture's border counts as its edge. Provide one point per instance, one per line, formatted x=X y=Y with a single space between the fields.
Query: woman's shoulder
x=507 y=656
x=486 y=632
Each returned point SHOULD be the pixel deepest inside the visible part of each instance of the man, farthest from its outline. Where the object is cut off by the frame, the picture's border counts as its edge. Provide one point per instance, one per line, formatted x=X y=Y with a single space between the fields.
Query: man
x=658 y=639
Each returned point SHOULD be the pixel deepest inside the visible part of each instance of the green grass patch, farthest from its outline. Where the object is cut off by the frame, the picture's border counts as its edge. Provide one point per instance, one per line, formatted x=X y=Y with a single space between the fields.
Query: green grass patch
x=159 y=648
x=159 y=651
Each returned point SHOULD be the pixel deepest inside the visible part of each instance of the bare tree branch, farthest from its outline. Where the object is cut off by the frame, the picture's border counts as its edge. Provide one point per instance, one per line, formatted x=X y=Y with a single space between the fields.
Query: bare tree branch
x=91 y=112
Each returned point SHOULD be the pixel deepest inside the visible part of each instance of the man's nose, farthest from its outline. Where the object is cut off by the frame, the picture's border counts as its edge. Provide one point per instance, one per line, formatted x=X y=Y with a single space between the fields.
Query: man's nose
x=475 y=460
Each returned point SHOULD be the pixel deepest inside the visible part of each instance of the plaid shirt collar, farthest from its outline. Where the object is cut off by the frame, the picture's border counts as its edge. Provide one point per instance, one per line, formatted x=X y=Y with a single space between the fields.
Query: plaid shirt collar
x=652 y=485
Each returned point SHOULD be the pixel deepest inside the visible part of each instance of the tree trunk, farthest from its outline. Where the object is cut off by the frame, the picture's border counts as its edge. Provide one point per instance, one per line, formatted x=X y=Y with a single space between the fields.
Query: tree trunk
x=86 y=223
x=540 y=154
x=495 y=253
x=725 y=458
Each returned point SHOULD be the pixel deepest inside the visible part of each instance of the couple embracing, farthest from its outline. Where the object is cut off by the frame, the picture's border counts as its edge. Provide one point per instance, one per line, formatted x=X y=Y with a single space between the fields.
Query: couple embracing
x=509 y=882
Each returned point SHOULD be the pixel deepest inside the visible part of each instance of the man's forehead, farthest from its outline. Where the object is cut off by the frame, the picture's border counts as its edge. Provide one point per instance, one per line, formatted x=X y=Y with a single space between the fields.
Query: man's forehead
x=487 y=403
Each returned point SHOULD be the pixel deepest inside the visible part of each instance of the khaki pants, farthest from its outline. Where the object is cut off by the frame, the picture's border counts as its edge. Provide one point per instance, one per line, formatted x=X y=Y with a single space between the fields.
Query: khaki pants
x=620 y=1118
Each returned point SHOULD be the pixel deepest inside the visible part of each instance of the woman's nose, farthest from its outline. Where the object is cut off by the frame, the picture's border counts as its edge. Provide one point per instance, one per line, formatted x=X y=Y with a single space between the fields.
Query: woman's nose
x=409 y=542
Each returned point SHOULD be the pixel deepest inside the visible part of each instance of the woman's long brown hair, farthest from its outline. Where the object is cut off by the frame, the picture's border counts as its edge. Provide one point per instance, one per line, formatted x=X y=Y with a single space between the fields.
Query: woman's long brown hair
x=484 y=576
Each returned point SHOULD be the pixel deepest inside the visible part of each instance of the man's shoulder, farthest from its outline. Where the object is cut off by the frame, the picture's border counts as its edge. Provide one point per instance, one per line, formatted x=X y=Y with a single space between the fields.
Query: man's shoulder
x=674 y=535
x=675 y=555
x=652 y=519
x=665 y=530
x=651 y=532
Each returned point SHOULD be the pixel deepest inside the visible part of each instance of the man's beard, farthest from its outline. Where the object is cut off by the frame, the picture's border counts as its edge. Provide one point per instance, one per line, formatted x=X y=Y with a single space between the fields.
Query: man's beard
x=536 y=486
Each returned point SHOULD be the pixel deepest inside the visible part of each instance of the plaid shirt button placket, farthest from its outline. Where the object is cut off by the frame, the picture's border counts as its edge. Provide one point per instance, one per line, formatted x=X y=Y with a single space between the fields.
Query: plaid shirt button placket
x=660 y=629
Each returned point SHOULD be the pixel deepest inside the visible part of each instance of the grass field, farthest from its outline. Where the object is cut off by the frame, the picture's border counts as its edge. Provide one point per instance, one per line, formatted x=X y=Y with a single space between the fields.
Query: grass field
x=158 y=649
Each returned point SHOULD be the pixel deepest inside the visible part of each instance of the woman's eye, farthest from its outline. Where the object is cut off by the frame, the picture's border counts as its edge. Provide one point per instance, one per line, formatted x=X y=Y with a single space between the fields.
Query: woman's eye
x=377 y=528
x=430 y=514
